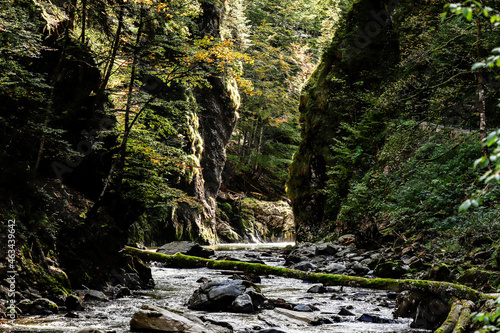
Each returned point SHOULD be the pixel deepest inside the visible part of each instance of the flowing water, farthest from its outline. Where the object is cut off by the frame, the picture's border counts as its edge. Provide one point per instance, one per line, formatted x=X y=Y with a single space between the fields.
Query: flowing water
x=175 y=286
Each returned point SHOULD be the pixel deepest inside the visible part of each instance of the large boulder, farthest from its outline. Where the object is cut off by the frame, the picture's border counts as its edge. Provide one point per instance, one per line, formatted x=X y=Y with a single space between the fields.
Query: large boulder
x=226 y=295
x=152 y=318
x=186 y=248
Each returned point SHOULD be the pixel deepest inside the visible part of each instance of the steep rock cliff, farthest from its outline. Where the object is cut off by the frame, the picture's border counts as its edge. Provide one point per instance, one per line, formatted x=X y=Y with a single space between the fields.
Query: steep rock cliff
x=371 y=157
x=219 y=103
x=364 y=48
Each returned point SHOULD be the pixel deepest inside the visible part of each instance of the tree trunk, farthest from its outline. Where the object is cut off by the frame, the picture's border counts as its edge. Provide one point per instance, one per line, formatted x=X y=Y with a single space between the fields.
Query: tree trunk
x=446 y=289
x=116 y=44
x=128 y=125
x=84 y=19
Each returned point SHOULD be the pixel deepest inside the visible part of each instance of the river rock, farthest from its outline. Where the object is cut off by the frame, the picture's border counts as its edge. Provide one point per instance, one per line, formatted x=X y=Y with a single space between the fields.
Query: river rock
x=225 y=295
x=304 y=266
x=327 y=250
x=302 y=308
x=360 y=269
x=249 y=277
x=390 y=269
x=41 y=306
x=306 y=317
x=155 y=319
x=186 y=248
x=242 y=304
x=73 y=303
x=375 y=319
x=317 y=289
x=95 y=295
x=428 y=311
x=335 y=268
x=345 y=312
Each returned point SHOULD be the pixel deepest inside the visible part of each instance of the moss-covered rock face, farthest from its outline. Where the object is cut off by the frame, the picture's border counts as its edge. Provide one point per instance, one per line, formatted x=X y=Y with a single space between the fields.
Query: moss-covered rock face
x=218 y=118
x=372 y=154
x=480 y=279
x=254 y=220
x=363 y=52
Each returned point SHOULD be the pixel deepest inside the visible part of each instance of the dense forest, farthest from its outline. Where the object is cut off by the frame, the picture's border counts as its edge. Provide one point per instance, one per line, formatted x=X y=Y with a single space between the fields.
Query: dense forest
x=143 y=122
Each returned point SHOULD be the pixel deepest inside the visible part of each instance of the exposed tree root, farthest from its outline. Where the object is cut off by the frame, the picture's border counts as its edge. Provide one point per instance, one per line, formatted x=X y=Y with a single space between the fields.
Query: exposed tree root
x=461 y=296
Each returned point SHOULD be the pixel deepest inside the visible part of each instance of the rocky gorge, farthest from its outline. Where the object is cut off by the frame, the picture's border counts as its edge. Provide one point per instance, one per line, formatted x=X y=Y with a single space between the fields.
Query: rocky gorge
x=201 y=300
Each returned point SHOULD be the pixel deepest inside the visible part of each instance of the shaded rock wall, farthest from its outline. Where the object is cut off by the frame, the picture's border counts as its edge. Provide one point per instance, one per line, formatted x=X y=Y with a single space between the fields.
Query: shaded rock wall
x=251 y=220
x=217 y=119
x=364 y=47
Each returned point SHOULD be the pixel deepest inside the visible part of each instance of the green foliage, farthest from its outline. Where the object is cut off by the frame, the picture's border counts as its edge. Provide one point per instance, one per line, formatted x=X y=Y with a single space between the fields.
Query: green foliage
x=416 y=182
x=283 y=41
x=490 y=321
x=491 y=177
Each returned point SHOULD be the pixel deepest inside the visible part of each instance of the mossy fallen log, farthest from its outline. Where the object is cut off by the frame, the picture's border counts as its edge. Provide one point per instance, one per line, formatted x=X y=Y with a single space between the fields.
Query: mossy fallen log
x=445 y=290
x=464 y=318
x=458 y=318
x=462 y=298
x=452 y=319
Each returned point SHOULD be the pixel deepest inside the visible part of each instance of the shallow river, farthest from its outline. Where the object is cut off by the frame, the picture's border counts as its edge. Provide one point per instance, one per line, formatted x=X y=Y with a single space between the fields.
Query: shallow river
x=175 y=286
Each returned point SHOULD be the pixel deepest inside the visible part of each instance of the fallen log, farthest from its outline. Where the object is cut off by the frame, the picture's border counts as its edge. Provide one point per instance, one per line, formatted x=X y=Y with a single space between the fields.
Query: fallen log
x=452 y=319
x=446 y=290
x=459 y=296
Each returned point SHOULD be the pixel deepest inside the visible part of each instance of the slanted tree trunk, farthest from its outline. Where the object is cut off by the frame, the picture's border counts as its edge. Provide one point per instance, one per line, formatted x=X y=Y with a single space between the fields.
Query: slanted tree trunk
x=128 y=107
x=114 y=50
x=84 y=19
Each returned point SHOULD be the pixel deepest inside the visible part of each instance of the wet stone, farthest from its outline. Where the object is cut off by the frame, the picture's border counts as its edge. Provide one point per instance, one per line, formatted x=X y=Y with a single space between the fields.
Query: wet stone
x=302 y=308
x=242 y=304
x=304 y=266
x=335 y=268
x=375 y=319
x=326 y=250
x=228 y=295
x=345 y=312
x=317 y=289
x=360 y=269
